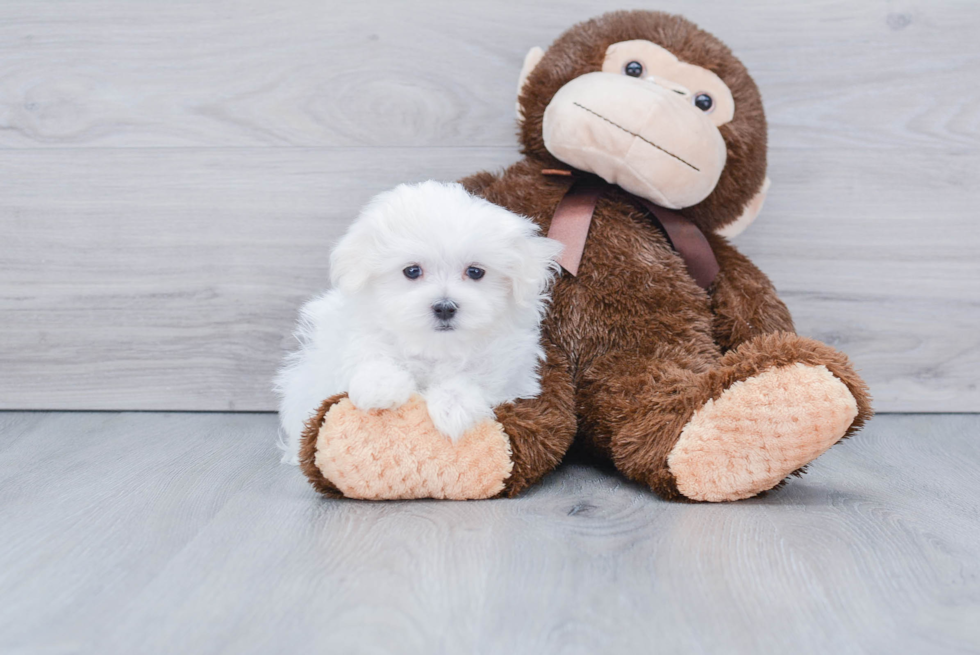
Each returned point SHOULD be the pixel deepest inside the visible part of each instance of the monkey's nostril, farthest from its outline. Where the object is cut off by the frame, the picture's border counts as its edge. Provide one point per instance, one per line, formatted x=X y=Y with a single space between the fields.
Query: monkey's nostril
x=444 y=309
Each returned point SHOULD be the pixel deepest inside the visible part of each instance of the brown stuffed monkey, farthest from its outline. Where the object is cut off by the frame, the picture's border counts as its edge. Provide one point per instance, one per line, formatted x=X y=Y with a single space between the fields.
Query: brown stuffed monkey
x=675 y=360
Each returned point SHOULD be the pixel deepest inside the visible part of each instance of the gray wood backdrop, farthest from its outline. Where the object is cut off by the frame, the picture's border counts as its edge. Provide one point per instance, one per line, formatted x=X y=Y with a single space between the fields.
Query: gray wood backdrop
x=173 y=174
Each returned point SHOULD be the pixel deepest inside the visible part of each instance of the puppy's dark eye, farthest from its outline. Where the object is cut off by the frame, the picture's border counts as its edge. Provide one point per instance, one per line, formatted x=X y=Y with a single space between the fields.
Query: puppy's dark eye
x=634 y=69
x=412 y=272
x=703 y=102
x=475 y=273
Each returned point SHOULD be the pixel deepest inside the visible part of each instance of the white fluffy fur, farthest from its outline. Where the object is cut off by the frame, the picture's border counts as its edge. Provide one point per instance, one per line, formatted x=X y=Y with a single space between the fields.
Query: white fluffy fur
x=375 y=335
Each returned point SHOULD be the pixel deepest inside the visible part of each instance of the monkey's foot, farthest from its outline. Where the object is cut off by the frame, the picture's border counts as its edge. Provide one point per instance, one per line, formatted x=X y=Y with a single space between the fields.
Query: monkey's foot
x=759 y=431
x=398 y=454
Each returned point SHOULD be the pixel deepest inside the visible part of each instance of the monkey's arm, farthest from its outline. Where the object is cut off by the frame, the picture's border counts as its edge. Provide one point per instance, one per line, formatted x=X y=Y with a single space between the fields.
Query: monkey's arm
x=743 y=300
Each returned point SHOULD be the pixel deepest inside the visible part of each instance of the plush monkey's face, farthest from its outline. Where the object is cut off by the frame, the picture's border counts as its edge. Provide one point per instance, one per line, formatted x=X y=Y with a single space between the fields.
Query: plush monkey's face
x=646 y=122
x=634 y=113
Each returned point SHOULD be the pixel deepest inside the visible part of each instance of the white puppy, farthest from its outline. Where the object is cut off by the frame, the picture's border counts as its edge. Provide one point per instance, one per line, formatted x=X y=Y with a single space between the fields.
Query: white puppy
x=436 y=292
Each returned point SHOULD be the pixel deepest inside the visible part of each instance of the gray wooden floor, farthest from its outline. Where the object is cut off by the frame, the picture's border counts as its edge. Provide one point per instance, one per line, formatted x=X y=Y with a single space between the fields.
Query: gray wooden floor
x=180 y=533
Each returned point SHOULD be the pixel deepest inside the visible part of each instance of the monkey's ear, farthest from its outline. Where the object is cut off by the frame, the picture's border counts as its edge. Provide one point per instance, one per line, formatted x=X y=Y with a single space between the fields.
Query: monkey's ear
x=752 y=209
x=531 y=60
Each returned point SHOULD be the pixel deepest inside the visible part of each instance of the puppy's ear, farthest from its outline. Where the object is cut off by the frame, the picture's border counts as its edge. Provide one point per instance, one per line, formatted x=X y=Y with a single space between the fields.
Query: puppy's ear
x=350 y=269
x=534 y=267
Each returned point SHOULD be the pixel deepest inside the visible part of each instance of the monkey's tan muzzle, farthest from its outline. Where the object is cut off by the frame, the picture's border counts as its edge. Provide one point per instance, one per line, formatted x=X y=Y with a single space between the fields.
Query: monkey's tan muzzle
x=647 y=138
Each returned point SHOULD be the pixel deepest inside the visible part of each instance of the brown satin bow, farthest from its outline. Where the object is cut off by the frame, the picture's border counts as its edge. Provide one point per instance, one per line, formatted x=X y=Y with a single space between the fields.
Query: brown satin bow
x=573 y=216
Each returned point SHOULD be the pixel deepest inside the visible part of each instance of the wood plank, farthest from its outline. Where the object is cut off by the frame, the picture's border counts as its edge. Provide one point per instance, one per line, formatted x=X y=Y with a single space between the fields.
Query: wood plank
x=167 y=281
x=169 y=278
x=377 y=73
x=876 y=255
x=179 y=533
x=123 y=494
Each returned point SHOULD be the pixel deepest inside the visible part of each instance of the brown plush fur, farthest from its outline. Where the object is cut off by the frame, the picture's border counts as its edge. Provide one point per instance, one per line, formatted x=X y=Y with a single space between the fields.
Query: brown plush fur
x=307 y=450
x=541 y=429
x=635 y=346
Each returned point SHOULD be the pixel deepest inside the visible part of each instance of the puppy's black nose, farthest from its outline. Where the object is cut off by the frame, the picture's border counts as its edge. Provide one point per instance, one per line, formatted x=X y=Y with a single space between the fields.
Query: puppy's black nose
x=444 y=309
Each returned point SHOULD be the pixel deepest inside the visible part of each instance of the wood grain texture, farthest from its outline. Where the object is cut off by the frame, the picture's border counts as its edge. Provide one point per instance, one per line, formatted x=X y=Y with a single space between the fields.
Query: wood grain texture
x=173 y=174
x=153 y=533
x=170 y=278
x=382 y=73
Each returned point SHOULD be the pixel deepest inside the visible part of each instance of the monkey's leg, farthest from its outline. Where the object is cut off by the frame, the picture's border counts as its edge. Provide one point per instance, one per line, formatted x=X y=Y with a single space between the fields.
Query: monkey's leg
x=740 y=427
x=307 y=449
x=540 y=429
x=421 y=463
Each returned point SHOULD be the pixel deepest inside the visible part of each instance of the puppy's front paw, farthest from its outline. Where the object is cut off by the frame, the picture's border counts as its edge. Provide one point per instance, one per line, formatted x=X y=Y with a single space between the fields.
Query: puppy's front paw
x=455 y=408
x=380 y=386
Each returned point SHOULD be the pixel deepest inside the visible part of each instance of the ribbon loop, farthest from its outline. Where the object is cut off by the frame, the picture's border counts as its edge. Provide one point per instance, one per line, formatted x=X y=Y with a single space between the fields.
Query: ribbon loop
x=573 y=217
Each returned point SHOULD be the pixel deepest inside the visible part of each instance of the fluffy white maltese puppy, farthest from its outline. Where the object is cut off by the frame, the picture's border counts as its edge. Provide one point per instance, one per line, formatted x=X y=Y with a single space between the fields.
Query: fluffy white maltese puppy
x=436 y=292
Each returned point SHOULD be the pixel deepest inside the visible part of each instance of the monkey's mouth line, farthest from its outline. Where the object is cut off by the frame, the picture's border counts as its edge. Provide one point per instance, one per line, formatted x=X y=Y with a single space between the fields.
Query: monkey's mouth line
x=648 y=141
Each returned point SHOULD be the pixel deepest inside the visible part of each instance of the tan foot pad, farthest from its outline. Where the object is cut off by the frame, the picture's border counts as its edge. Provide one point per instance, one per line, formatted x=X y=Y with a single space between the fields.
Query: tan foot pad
x=398 y=454
x=759 y=431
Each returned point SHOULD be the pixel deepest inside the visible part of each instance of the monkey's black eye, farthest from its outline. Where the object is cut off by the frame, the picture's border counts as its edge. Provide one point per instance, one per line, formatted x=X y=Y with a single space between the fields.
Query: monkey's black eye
x=412 y=272
x=475 y=273
x=634 y=69
x=703 y=102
